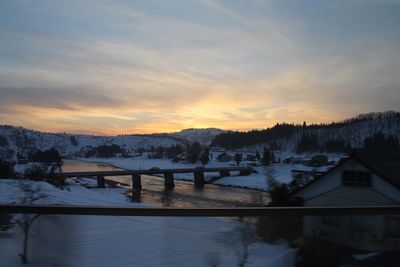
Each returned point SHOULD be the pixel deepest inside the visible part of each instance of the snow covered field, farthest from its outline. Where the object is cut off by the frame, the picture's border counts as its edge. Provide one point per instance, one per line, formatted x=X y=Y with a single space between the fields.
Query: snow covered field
x=281 y=172
x=127 y=241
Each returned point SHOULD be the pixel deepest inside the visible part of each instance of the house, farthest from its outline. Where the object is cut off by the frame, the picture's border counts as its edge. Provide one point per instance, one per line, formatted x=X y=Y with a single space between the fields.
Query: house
x=362 y=179
x=180 y=157
x=250 y=157
x=224 y=157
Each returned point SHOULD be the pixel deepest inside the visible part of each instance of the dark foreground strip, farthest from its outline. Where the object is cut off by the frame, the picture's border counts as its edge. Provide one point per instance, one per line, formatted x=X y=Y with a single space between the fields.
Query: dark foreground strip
x=201 y=212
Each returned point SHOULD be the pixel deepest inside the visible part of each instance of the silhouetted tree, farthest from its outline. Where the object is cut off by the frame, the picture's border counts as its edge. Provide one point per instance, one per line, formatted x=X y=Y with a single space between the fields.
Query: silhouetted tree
x=73 y=140
x=205 y=156
x=267 y=156
x=273 y=228
x=273 y=159
x=140 y=150
x=279 y=194
x=174 y=151
x=193 y=152
x=237 y=158
x=108 y=151
x=105 y=151
x=380 y=142
x=42 y=173
x=36 y=172
x=47 y=156
x=234 y=140
x=307 y=143
x=336 y=146
x=3 y=141
x=6 y=169
x=160 y=152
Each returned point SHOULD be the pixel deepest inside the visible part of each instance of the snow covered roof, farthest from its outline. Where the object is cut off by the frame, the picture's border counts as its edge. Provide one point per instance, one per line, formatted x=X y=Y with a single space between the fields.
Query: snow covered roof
x=385 y=164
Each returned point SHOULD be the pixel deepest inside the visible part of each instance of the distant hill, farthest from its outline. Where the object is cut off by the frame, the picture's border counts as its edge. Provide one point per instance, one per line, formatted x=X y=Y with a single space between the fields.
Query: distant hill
x=372 y=129
x=18 y=140
x=380 y=128
x=204 y=136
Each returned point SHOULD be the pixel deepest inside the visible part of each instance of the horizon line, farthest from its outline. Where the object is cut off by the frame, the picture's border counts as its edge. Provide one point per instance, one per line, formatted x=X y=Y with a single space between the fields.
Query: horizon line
x=88 y=133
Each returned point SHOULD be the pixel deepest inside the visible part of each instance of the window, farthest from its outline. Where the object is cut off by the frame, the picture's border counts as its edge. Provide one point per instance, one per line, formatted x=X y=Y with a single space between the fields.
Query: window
x=392 y=226
x=357 y=178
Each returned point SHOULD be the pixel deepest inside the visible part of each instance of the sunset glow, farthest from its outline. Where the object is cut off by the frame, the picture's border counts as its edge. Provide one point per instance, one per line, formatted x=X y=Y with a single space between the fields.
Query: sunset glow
x=159 y=66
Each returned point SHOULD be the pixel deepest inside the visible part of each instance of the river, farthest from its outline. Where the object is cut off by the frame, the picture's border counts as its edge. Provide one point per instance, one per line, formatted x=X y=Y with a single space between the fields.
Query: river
x=184 y=194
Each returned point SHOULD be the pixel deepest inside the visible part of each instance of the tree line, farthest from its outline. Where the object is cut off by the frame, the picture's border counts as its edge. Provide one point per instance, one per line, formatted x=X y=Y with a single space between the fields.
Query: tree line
x=377 y=141
x=192 y=152
x=234 y=140
x=332 y=138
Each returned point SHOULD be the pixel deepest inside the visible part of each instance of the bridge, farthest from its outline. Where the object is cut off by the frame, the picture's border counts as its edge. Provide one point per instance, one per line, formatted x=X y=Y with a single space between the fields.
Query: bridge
x=168 y=174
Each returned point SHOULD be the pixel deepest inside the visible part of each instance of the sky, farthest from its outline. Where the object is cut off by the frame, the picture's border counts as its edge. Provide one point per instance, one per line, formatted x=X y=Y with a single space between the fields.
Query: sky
x=120 y=67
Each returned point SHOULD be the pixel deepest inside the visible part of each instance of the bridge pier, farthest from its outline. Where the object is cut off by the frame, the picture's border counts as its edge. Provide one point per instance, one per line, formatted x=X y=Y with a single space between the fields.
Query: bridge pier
x=199 y=178
x=101 y=182
x=169 y=180
x=224 y=173
x=136 y=195
x=136 y=182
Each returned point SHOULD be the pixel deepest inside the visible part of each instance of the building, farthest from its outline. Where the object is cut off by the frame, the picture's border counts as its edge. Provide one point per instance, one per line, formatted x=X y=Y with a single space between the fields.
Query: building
x=362 y=179
x=224 y=157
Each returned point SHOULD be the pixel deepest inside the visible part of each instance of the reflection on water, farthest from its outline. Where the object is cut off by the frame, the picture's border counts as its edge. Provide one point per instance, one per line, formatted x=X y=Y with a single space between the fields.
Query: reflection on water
x=184 y=194
x=167 y=197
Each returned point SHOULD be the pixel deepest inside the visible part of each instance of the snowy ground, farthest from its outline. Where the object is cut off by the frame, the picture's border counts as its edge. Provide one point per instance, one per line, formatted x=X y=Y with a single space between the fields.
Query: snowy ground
x=127 y=241
x=281 y=172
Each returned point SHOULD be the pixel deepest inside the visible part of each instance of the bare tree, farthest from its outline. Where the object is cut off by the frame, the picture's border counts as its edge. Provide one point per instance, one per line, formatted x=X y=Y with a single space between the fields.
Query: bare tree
x=240 y=239
x=26 y=221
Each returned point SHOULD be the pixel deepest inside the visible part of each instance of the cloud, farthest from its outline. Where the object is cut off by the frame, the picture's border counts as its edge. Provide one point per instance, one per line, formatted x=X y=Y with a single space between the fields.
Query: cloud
x=64 y=99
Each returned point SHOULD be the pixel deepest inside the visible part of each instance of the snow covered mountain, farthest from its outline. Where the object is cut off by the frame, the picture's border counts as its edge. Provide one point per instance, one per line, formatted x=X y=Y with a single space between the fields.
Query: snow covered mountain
x=14 y=140
x=203 y=136
x=333 y=137
x=355 y=130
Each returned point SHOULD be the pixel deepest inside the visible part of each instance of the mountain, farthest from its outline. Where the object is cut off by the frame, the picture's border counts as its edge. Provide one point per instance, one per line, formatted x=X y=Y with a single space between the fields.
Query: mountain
x=372 y=129
x=203 y=136
x=380 y=128
x=18 y=140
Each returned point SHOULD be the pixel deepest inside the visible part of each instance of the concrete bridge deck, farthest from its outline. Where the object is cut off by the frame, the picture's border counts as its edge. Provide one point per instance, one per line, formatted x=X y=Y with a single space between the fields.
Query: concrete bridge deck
x=198 y=173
